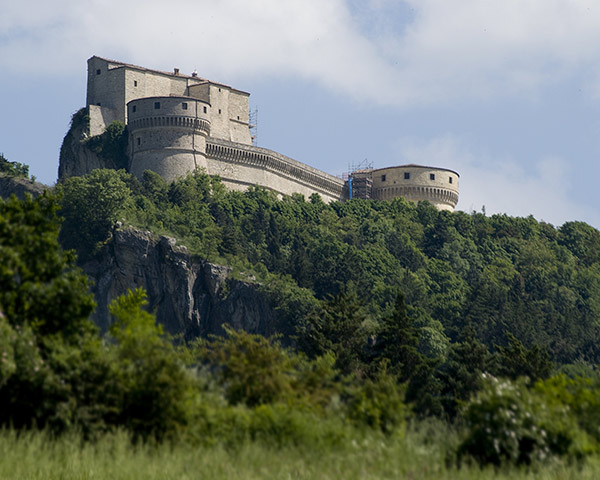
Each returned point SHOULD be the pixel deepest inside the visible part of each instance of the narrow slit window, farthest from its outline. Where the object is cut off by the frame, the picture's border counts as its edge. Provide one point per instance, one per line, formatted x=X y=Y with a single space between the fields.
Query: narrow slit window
x=139 y=140
x=432 y=176
x=204 y=109
x=134 y=108
x=135 y=83
x=450 y=179
x=383 y=178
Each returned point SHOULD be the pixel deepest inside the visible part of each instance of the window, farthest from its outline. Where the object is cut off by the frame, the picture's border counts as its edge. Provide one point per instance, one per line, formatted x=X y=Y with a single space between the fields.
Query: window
x=219 y=111
x=98 y=72
x=135 y=83
x=204 y=109
x=406 y=175
x=134 y=108
x=139 y=140
x=238 y=117
x=156 y=105
x=184 y=105
x=432 y=176
x=99 y=104
x=450 y=179
x=383 y=178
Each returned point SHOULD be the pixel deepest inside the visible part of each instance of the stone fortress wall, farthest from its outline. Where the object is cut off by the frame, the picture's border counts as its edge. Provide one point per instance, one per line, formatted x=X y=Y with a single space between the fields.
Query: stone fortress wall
x=415 y=183
x=179 y=122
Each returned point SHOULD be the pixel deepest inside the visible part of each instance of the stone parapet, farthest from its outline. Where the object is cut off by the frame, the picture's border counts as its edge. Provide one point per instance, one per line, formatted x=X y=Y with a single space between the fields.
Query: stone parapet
x=296 y=173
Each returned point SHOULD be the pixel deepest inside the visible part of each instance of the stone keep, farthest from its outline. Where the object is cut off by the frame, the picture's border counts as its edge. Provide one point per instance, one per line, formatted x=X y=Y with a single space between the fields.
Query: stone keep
x=178 y=123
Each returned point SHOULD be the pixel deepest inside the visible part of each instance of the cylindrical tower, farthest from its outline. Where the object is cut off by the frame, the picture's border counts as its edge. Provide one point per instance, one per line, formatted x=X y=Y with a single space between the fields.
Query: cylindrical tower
x=439 y=186
x=167 y=135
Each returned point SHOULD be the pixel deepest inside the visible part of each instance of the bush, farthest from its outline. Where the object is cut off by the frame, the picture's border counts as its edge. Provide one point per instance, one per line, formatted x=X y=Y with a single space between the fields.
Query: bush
x=378 y=404
x=509 y=423
x=159 y=393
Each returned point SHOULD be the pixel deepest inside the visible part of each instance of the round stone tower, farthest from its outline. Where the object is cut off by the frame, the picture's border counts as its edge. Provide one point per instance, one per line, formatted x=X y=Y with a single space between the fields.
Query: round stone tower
x=167 y=135
x=439 y=186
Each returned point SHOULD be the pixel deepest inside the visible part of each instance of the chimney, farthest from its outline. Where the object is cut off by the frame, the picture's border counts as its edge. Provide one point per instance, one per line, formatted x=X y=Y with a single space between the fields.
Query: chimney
x=176 y=71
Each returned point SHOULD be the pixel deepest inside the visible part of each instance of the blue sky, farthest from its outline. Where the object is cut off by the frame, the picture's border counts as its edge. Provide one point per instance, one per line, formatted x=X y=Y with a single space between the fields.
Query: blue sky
x=506 y=93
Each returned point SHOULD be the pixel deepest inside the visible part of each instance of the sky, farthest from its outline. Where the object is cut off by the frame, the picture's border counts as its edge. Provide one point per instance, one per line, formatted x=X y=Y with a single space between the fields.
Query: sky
x=506 y=93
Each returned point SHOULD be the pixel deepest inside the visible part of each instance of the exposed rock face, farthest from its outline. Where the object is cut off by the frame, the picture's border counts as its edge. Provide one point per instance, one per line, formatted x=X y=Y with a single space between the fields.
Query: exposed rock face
x=76 y=159
x=19 y=186
x=189 y=297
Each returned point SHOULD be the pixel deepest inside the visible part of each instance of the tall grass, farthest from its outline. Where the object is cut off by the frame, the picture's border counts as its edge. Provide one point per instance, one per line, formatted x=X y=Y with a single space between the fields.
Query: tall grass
x=420 y=454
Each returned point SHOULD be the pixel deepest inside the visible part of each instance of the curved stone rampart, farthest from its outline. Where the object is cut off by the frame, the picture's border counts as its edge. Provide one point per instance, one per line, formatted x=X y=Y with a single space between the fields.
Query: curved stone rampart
x=439 y=186
x=240 y=166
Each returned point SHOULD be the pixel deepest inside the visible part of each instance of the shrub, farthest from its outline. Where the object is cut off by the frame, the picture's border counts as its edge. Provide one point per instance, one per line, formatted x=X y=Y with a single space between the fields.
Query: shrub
x=378 y=403
x=509 y=423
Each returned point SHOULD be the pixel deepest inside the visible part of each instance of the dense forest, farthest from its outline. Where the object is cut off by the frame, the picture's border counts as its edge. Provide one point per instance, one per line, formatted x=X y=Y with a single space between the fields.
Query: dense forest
x=393 y=315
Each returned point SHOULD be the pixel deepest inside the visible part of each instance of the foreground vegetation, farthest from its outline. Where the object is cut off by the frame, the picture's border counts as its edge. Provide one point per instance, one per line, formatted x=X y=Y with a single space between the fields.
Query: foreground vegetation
x=416 y=343
x=35 y=456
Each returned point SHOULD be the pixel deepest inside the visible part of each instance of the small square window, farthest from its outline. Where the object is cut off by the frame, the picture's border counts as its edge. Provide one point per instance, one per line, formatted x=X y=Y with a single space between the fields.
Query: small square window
x=383 y=178
x=406 y=175
x=204 y=109
x=184 y=105
x=156 y=105
x=432 y=176
x=450 y=179
x=98 y=72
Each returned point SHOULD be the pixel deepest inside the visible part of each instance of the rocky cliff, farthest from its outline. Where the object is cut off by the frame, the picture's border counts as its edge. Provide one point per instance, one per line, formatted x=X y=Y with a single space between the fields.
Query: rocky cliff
x=191 y=297
x=76 y=158
x=19 y=186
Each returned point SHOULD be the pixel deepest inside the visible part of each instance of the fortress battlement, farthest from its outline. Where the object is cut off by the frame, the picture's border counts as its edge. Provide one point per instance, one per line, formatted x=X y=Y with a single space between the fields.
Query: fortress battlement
x=177 y=123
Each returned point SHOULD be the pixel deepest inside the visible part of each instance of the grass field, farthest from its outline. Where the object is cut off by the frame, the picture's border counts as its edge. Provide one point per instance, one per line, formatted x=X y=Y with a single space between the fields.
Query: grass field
x=419 y=455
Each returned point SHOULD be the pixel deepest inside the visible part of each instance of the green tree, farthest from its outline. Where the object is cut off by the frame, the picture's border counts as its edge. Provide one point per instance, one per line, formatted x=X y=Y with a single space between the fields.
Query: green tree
x=40 y=285
x=338 y=327
x=91 y=205
x=396 y=348
x=461 y=374
x=159 y=392
x=13 y=169
x=514 y=361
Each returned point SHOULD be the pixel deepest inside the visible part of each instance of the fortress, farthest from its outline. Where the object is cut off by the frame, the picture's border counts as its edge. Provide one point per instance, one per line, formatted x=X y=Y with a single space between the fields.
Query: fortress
x=177 y=123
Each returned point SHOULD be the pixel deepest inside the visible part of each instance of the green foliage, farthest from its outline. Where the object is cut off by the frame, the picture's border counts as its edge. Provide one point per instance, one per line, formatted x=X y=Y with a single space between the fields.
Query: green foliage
x=378 y=403
x=516 y=361
x=39 y=283
x=337 y=328
x=252 y=370
x=91 y=205
x=111 y=144
x=159 y=393
x=509 y=423
x=461 y=374
x=13 y=169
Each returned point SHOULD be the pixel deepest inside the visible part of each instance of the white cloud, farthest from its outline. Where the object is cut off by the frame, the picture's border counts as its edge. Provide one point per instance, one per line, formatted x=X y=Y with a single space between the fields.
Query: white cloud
x=501 y=184
x=427 y=51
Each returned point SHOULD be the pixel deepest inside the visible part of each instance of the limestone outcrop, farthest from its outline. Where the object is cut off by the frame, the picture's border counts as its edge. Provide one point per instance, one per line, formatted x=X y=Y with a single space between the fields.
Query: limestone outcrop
x=76 y=158
x=19 y=186
x=189 y=297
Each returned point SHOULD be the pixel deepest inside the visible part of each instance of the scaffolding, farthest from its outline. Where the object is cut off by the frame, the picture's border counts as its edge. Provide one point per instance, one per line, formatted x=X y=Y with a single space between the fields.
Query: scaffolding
x=360 y=180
